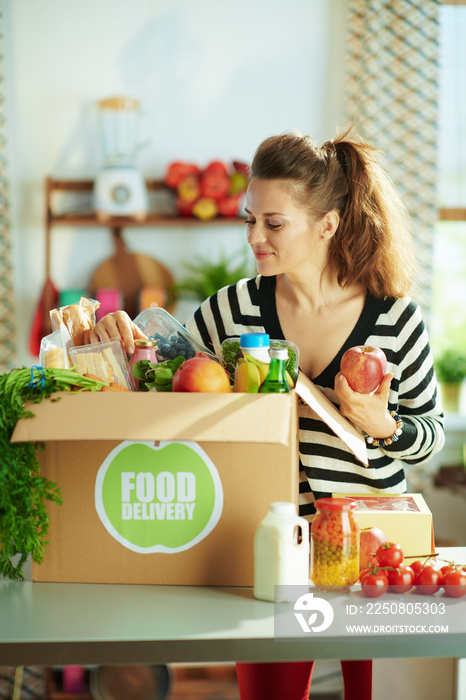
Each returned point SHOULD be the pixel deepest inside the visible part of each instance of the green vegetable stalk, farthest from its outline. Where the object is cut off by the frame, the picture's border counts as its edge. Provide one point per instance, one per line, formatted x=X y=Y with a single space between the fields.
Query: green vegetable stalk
x=24 y=492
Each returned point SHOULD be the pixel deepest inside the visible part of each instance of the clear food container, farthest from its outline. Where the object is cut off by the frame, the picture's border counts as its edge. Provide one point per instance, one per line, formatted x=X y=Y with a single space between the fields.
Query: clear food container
x=106 y=360
x=173 y=340
x=231 y=348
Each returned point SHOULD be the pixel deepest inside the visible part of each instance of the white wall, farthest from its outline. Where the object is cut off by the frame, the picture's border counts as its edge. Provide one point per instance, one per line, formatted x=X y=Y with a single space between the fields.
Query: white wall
x=213 y=77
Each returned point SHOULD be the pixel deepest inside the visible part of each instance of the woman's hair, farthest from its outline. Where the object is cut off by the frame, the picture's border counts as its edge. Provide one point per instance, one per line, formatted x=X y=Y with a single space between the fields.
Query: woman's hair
x=373 y=243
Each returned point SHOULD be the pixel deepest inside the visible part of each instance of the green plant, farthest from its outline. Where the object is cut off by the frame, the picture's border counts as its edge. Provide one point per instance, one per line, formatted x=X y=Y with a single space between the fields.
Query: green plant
x=450 y=366
x=24 y=520
x=207 y=276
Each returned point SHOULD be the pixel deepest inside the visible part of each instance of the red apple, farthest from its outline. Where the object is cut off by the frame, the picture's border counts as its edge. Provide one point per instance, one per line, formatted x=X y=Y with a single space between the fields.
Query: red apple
x=364 y=367
x=178 y=171
x=218 y=167
x=369 y=540
x=228 y=206
x=214 y=185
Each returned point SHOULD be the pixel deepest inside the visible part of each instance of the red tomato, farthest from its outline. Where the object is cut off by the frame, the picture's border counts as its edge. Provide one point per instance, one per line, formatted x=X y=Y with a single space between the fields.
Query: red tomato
x=401 y=580
x=455 y=583
x=389 y=554
x=365 y=572
x=428 y=580
x=374 y=585
x=417 y=566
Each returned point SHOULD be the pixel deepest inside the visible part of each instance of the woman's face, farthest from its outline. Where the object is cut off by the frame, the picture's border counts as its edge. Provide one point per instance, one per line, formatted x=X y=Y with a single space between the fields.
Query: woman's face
x=281 y=234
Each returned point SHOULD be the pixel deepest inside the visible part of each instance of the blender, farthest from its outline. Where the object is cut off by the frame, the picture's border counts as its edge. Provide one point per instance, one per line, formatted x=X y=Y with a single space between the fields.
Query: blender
x=119 y=188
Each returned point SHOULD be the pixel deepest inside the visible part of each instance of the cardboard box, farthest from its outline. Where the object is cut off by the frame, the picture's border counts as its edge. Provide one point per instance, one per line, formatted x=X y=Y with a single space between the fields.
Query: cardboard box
x=405 y=519
x=167 y=488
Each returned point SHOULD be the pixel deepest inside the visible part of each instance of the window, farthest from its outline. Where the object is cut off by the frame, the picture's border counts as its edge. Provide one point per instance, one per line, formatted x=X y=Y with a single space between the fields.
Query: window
x=448 y=325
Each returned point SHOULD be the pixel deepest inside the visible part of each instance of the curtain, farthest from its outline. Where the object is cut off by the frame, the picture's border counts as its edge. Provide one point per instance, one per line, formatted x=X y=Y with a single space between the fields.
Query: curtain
x=7 y=310
x=391 y=96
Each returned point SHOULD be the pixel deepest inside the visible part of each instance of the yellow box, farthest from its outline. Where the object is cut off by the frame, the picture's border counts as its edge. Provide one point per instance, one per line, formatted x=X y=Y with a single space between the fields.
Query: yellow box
x=405 y=519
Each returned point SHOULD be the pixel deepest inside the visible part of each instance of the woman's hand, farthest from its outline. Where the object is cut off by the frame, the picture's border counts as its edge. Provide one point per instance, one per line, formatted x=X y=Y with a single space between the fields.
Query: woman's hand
x=116 y=325
x=368 y=411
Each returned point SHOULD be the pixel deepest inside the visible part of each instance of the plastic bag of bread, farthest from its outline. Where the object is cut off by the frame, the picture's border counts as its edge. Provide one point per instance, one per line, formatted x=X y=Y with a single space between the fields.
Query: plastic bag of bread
x=77 y=319
x=52 y=353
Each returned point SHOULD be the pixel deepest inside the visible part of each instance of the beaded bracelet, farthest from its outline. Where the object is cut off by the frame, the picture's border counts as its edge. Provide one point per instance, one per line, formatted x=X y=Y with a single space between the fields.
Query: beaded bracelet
x=375 y=442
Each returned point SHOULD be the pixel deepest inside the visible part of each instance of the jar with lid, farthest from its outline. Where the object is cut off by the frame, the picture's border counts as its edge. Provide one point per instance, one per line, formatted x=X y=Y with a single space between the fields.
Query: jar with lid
x=144 y=349
x=334 y=544
x=256 y=344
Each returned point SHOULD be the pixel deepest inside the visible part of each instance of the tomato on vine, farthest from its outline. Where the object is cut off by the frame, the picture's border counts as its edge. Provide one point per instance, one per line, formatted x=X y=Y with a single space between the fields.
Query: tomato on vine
x=429 y=580
x=374 y=583
x=401 y=580
x=389 y=554
x=455 y=582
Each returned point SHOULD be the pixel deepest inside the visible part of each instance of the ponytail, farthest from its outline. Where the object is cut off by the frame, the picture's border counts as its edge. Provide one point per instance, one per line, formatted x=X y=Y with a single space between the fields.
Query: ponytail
x=373 y=243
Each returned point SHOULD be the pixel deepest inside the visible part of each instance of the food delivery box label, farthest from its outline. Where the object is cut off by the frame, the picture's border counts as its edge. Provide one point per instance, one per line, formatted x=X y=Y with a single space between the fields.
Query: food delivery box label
x=158 y=498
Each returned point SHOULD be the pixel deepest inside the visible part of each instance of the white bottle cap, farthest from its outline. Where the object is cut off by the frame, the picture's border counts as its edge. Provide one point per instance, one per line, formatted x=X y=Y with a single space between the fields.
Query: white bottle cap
x=283 y=507
x=279 y=353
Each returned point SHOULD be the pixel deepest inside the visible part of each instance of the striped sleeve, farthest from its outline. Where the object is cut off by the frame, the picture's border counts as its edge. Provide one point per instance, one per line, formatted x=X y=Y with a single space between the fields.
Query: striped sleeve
x=414 y=392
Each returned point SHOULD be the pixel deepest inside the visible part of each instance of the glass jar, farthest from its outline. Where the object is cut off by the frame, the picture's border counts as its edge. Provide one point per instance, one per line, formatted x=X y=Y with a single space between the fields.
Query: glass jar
x=143 y=350
x=334 y=545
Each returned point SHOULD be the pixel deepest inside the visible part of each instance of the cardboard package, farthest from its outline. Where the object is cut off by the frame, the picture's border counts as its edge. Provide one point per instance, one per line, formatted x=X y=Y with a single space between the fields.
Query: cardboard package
x=405 y=519
x=167 y=488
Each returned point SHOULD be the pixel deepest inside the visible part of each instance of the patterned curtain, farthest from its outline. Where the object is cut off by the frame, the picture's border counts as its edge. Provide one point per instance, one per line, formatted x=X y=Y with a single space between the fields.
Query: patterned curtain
x=7 y=310
x=392 y=98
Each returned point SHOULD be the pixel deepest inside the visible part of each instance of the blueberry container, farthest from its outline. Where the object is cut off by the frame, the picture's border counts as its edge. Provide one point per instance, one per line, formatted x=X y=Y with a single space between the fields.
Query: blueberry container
x=173 y=340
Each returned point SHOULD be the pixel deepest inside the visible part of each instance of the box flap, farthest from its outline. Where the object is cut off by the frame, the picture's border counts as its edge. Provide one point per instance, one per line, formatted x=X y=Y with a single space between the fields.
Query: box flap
x=325 y=409
x=249 y=418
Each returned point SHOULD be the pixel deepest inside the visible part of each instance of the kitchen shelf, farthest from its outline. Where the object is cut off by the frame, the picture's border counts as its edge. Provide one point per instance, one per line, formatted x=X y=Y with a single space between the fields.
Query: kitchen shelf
x=118 y=222
x=90 y=219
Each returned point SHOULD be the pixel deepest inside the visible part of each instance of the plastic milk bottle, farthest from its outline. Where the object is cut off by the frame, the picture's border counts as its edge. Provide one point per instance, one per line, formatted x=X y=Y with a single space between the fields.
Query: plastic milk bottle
x=281 y=551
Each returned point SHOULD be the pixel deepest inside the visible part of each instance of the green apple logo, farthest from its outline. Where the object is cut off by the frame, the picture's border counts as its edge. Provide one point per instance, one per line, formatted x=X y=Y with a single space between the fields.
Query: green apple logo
x=158 y=499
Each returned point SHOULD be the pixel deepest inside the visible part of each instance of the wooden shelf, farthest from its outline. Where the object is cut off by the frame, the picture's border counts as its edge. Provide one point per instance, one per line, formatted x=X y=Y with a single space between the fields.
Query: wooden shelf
x=88 y=219
x=152 y=219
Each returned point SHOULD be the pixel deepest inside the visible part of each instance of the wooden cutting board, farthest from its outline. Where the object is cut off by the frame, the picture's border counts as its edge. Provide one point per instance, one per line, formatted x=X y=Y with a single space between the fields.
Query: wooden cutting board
x=130 y=272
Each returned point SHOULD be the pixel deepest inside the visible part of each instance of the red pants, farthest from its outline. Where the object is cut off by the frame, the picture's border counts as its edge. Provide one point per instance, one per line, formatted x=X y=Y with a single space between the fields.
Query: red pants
x=292 y=680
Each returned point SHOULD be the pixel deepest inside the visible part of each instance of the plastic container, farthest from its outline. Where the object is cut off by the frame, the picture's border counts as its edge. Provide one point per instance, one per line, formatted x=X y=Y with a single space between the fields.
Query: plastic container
x=173 y=340
x=257 y=345
x=281 y=551
x=232 y=346
x=105 y=360
x=334 y=545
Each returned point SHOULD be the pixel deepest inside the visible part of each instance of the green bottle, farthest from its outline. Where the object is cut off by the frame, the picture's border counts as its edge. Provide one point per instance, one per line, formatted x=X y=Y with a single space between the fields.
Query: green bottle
x=275 y=381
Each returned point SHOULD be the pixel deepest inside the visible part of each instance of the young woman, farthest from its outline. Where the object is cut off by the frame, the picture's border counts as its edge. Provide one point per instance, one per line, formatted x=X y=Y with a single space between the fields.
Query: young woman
x=335 y=263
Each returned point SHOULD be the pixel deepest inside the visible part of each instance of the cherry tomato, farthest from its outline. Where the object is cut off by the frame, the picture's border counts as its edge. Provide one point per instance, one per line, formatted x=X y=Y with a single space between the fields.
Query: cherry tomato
x=455 y=583
x=416 y=566
x=363 y=573
x=401 y=580
x=389 y=554
x=428 y=580
x=374 y=585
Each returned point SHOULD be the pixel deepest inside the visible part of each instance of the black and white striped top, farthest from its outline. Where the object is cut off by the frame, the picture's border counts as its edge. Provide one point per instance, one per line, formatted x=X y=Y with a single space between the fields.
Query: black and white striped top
x=326 y=464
